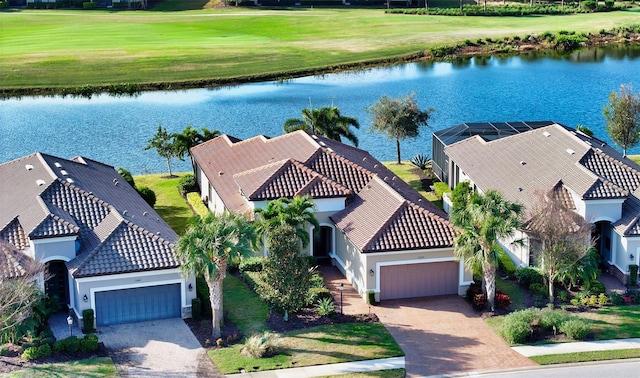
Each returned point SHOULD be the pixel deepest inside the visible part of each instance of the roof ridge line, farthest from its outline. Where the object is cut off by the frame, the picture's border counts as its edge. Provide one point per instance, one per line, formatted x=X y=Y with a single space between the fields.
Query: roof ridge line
x=384 y=226
x=287 y=162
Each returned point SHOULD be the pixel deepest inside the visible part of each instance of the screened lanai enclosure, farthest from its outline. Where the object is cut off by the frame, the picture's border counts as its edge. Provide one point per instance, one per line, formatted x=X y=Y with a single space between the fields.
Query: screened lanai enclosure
x=486 y=130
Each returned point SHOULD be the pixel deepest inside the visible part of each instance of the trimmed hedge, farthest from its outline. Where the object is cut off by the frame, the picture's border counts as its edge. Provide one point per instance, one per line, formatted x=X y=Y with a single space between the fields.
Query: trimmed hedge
x=519 y=325
x=440 y=188
x=187 y=184
x=87 y=321
x=527 y=276
x=505 y=264
x=252 y=264
x=197 y=205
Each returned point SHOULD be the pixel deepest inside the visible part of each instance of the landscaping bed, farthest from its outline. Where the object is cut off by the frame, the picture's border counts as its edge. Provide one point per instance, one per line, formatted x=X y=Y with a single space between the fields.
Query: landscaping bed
x=13 y=362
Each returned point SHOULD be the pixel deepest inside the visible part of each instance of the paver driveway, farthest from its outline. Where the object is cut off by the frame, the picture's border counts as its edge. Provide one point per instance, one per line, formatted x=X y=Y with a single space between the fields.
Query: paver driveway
x=159 y=348
x=439 y=335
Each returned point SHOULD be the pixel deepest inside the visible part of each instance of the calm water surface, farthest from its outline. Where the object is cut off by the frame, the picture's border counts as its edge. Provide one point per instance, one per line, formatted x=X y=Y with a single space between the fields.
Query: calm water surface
x=570 y=90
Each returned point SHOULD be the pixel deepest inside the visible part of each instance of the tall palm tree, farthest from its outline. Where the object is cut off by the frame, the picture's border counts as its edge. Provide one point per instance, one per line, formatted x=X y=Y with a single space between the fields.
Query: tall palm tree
x=481 y=221
x=206 y=248
x=296 y=212
x=191 y=137
x=326 y=121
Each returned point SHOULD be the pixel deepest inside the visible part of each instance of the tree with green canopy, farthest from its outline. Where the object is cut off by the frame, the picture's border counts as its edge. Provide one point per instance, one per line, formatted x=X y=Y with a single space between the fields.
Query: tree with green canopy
x=191 y=137
x=326 y=121
x=398 y=118
x=622 y=114
x=207 y=246
x=481 y=220
x=165 y=146
x=296 y=212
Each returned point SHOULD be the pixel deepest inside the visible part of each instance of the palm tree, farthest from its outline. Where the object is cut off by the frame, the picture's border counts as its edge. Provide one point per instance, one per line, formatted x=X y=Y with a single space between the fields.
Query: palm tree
x=398 y=118
x=206 y=248
x=191 y=137
x=326 y=121
x=481 y=221
x=296 y=212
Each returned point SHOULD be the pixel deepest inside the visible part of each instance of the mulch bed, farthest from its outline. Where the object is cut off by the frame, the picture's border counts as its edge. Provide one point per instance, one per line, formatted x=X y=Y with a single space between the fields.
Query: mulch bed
x=13 y=362
x=306 y=318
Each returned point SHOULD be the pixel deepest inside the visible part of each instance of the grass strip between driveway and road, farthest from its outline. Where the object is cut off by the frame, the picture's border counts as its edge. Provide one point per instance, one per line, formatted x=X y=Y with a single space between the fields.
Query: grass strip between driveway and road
x=106 y=47
x=391 y=373
x=586 y=356
x=92 y=367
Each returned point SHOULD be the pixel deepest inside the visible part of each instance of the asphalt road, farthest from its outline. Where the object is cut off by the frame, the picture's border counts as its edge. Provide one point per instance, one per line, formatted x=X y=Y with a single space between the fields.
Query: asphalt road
x=605 y=369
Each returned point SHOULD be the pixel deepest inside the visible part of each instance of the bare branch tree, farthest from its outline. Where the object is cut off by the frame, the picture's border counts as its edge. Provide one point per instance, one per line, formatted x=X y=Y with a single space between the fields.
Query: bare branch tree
x=563 y=234
x=18 y=287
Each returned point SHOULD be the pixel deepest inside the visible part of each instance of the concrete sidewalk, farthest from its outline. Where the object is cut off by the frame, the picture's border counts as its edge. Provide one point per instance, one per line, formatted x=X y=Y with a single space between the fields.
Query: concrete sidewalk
x=582 y=346
x=325 y=370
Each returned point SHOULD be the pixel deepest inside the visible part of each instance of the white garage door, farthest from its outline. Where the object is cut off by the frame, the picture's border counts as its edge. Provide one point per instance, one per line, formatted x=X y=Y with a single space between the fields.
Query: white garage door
x=419 y=280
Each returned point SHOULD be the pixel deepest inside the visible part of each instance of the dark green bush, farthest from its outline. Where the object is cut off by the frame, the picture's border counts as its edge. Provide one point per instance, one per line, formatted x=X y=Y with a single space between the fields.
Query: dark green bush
x=316 y=280
x=127 y=176
x=87 y=320
x=596 y=287
x=550 y=318
x=252 y=264
x=196 y=309
x=148 y=195
x=589 y=4
x=202 y=291
x=616 y=299
x=187 y=184
x=526 y=276
x=633 y=275
x=576 y=329
x=539 y=289
x=516 y=328
x=317 y=294
x=371 y=297
x=89 y=5
x=4 y=4
x=88 y=343
x=506 y=264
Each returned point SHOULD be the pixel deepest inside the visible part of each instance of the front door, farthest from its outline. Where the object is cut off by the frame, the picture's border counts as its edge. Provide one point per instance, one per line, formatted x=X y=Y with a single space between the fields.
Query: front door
x=322 y=241
x=57 y=282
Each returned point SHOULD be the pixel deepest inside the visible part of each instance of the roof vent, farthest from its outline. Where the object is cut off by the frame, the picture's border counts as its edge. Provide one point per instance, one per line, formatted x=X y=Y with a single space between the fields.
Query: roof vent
x=314 y=136
x=115 y=182
x=64 y=173
x=547 y=134
x=57 y=164
x=29 y=167
x=158 y=233
x=220 y=173
x=40 y=182
x=125 y=212
x=69 y=180
x=522 y=162
x=520 y=189
x=144 y=214
x=570 y=151
x=322 y=143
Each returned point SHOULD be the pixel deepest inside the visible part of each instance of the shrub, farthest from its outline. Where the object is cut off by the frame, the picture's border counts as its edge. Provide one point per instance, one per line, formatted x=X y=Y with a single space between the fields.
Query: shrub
x=264 y=345
x=318 y=294
x=61 y=345
x=4 y=350
x=371 y=297
x=88 y=343
x=197 y=205
x=89 y=5
x=616 y=299
x=440 y=188
x=589 y=4
x=126 y=175
x=252 y=264
x=576 y=329
x=4 y=4
x=602 y=299
x=187 y=184
x=475 y=296
x=502 y=300
x=148 y=195
x=551 y=318
x=87 y=320
x=633 y=275
x=563 y=296
x=196 y=309
x=325 y=307
x=527 y=276
x=506 y=264
x=29 y=354
x=515 y=330
x=421 y=161
x=316 y=280
x=538 y=289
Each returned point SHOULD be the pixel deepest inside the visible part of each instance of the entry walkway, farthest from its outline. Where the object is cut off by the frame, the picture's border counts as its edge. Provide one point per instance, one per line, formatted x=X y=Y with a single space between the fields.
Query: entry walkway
x=327 y=370
x=581 y=346
x=60 y=327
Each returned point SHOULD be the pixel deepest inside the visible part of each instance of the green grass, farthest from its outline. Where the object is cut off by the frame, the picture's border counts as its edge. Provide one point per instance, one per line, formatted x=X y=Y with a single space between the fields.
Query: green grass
x=169 y=204
x=391 y=373
x=514 y=291
x=615 y=322
x=89 y=368
x=586 y=356
x=634 y=158
x=321 y=345
x=406 y=172
x=244 y=307
x=105 y=47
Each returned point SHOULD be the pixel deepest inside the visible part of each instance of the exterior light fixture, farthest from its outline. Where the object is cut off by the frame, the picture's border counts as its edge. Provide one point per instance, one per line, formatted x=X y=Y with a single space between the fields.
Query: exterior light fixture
x=631 y=256
x=341 y=288
x=190 y=287
x=371 y=272
x=85 y=298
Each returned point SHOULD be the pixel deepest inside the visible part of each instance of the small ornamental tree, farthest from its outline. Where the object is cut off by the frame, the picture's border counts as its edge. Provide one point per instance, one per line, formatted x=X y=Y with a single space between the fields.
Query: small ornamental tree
x=286 y=272
x=164 y=144
x=622 y=114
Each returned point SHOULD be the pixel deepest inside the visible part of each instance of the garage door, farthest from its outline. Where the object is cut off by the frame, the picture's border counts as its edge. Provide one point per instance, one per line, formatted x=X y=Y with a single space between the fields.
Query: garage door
x=137 y=305
x=419 y=280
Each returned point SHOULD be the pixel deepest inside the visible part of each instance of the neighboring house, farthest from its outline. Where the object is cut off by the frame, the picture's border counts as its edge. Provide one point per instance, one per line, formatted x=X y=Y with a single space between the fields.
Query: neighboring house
x=598 y=183
x=379 y=231
x=103 y=247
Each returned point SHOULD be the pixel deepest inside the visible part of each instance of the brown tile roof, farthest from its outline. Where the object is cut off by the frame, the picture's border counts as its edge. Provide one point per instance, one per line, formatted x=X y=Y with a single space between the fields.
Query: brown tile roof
x=43 y=196
x=13 y=263
x=299 y=163
x=522 y=164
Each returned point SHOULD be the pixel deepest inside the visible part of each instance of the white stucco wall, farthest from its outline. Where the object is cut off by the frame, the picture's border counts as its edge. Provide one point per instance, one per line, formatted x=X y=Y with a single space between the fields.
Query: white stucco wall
x=602 y=210
x=60 y=248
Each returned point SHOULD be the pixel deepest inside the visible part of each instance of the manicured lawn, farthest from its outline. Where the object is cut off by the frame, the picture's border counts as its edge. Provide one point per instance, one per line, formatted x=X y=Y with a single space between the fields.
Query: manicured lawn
x=586 y=356
x=62 y=48
x=89 y=368
x=615 y=322
x=514 y=291
x=321 y=345
x=169 y=204
x=406 y=171
x=314 y=346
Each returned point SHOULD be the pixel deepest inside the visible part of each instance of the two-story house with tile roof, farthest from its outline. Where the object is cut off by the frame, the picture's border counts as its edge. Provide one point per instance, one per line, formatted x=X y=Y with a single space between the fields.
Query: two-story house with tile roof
x=598 y=183
x=102 y=245
x=379 y=231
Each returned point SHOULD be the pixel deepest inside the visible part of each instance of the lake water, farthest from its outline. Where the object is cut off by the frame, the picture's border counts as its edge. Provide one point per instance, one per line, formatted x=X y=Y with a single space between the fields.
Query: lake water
x=570 y=90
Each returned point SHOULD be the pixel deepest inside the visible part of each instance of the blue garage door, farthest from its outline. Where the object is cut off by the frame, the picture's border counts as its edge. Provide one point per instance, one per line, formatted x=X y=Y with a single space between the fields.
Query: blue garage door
x=138 y=305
